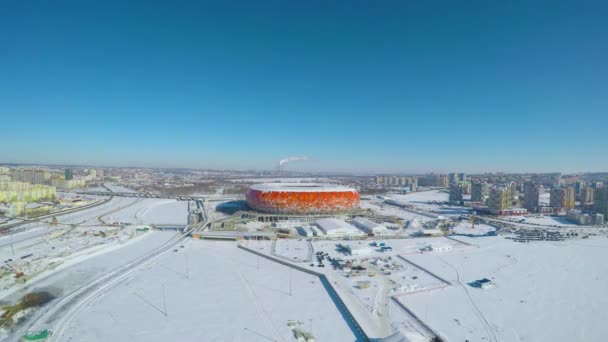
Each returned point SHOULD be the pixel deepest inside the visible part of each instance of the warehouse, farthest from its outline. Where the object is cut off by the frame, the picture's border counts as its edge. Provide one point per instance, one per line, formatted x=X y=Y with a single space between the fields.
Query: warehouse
x=331 y=227
x=370 y=227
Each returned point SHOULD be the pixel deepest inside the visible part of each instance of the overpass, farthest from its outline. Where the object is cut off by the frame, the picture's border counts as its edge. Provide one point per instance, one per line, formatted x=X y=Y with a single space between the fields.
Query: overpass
x=177 y=198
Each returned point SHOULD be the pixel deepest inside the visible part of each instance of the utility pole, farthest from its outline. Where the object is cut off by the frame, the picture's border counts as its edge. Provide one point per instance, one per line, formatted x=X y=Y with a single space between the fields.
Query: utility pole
x=164 y=301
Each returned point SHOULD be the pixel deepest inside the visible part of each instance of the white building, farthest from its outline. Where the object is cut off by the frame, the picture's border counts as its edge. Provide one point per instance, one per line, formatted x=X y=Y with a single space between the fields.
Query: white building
x=331 y=227
x=440 y=248
x=304 y=231
x=370 y=227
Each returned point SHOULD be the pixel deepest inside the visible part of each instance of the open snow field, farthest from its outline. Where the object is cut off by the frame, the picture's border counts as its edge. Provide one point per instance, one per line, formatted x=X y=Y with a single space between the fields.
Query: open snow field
x=56 y=257
x=540 y=220
x=391 y=210
x=423 y=200
x=544 y=291
x=222 y=296
x=152 y=211
x=464 y=227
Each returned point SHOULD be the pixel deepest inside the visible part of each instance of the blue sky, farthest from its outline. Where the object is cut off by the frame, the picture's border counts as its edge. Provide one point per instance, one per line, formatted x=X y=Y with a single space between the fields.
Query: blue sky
x=387 y=86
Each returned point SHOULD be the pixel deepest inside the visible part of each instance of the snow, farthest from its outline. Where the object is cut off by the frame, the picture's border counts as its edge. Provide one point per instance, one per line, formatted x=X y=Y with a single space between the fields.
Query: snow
x=544 y=291
x=391 y=210
x=539 y=220
x=223 y=296
x=152 y=211
x=464 y=227
x=424 y=200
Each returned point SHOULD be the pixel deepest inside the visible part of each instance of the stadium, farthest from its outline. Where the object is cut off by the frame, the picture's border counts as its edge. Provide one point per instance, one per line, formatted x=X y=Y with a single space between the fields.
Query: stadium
x=302 y=198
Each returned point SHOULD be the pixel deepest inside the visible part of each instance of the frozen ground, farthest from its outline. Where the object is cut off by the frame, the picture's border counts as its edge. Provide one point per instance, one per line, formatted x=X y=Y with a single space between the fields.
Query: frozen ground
x=464 y=227
x=540 y=220
x=544 y=291
x=152 y=211
x=226 y=294
x=52 y=256
x=391 y=210
x=293 y=250
x=424 y=200
x=385 y=273
x=117 y=188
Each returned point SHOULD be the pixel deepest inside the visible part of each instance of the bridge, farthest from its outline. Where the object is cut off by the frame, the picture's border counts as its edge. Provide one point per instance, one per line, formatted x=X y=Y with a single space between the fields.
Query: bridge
x=177 y=198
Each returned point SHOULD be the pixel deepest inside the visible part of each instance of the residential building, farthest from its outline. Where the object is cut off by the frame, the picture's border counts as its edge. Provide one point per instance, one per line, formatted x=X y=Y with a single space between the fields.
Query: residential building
x=455 y=194
x=11 y=192
x=600 y=204
x=479 y=191
x=68 y=174
x=500 y=198
x=561 y=197
x=587 y=195
x=531 y=196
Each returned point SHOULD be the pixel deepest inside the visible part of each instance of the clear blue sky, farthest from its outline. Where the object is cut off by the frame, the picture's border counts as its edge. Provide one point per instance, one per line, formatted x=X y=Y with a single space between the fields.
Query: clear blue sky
x=397 y=86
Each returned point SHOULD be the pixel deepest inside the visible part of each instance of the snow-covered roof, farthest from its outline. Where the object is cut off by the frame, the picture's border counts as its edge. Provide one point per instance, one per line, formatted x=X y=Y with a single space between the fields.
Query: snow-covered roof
x=367 y=224
x=301 y=187
x=331 y=224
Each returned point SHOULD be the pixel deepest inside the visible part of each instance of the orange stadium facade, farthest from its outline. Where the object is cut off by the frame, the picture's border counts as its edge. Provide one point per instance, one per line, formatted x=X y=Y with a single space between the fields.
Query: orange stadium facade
x=302 y=198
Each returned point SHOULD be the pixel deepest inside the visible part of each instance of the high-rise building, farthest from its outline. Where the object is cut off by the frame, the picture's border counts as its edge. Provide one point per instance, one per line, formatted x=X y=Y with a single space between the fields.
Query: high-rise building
x=600 y=203
x=31 y=176
x=453 y=178
x=587 y=195
x=443 y=181
x=456 y=194
x=578 y=187
x=531 y=196
x=68 y=175
x=462 y=177
x=500 y=198
x=562 y=197
x=100 y=173
x=478 y=191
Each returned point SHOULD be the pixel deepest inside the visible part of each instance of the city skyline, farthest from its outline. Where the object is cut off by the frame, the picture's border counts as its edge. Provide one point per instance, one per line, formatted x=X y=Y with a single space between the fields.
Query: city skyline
x=357 y=87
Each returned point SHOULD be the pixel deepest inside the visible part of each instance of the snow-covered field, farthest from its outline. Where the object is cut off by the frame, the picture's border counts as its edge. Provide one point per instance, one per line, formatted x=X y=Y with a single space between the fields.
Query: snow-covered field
x=293 y=250
x=464 y=227
x=540 y=220
x=544 y=291
x=152 y=211
x=223 y=295
x=423 y=200
x=391 y=210
x=55 y=257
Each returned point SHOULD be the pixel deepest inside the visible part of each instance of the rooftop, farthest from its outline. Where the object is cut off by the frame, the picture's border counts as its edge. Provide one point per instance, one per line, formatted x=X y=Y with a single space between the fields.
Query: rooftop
x=301 y=187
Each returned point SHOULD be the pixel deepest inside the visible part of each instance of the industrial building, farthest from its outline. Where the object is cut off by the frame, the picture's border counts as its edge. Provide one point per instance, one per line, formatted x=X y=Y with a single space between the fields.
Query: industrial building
x=302 y=198
x=335 y=228
x=370 y=227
